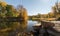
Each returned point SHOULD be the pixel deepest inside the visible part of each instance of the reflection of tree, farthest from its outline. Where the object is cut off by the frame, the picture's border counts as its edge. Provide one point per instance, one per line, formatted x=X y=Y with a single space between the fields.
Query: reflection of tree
x=15 y=27
x=3 y=25
x=23 y=25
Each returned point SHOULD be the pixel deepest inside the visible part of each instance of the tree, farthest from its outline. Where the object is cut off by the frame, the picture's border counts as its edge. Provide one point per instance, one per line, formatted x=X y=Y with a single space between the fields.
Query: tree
x=2 y=9
x=10 y=10
x=51 y=15
x=15 y=13
x=23 y=12
x=56 y=9
x=39 y=15
x=3 y=4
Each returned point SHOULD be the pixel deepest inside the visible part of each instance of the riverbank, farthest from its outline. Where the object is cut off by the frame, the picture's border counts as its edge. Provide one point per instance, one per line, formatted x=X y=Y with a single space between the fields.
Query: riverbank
x=47 y=19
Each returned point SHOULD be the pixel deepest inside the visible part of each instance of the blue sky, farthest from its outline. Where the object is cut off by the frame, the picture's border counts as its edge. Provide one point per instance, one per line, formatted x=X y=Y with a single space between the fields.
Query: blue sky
x=34 y=6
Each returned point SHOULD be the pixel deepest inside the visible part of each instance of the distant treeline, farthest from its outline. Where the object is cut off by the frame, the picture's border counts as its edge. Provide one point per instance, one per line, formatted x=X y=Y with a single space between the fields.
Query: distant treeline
x=55 y=13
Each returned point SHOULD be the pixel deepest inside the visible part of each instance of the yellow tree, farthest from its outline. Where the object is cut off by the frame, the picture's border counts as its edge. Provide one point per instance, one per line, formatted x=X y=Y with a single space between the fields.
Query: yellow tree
x=51 y=15
x=23 y=12
x=2 y=9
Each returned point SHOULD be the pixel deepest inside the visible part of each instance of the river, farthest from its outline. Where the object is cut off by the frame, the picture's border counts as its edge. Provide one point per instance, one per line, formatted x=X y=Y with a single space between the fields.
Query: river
x=30 y=24
x=18 y=27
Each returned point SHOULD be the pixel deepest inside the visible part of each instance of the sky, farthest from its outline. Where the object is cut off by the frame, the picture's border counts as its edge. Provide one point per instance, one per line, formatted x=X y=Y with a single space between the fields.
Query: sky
x=34 y=6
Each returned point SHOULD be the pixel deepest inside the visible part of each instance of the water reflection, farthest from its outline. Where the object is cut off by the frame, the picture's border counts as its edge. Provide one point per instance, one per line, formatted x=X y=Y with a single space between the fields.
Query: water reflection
x=23 y=25
x=16 y=28
x=12 y=28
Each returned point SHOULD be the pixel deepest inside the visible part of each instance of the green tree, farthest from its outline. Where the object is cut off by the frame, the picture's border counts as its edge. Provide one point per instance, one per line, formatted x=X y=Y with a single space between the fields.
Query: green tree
x=9 y=11
x=2 y=10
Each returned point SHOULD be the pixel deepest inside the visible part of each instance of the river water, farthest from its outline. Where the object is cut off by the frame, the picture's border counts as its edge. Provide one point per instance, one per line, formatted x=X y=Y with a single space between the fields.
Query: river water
x=13 y=28
x=30 y=24
x=23 y=26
